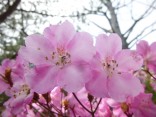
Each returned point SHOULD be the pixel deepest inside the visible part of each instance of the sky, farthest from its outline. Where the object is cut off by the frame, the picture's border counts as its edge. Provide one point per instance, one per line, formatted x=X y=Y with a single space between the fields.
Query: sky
x=66 y=7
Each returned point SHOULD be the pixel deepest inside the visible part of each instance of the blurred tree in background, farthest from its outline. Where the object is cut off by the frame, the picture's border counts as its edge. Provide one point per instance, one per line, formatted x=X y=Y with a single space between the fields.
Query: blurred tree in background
x=17 y=19
x=8 y=24
x=131 y=19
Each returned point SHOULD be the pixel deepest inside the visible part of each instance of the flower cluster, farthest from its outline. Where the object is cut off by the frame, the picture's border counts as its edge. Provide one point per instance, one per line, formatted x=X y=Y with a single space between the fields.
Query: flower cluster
x=61 y=73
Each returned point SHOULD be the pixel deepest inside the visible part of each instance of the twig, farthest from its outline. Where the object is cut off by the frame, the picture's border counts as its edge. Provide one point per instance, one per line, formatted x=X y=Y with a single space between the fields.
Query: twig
x=149 y=74
x=81 y=103
x=97 y=105
x=46 y=108
x=9 y=11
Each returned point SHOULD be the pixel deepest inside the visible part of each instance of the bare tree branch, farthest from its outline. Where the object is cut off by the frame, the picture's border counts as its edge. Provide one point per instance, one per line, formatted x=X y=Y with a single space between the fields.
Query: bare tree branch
x=46 y=14
x=145 y=14
x=137 y=39
x=106 y=30
x=35 y=12
x=22 y=24
x=123 y=5
x=142 y=32
x=9 y=11
x=114 y=21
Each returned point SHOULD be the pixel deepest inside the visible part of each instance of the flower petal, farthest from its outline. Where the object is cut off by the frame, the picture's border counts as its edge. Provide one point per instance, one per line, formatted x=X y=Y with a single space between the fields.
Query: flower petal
x=81 y=47
x=152 y=52
x=108 y=45
x=38 y=42
x=120 y=87
x=60 y=34
x=32 y=56
x=97 y=86
x=128 y=60
x=73 y=78
x=143 y=48
x=42 y=79
x=3 y=86
x=37 y=49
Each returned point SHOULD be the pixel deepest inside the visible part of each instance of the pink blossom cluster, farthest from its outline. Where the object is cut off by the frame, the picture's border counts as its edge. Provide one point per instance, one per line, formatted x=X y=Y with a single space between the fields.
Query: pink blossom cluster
x=61 y=73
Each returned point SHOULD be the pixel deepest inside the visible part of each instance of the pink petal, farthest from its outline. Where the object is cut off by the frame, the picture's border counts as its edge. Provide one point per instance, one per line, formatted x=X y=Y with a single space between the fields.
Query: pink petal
x=38 y=42
x=7 y=63
x=72 y=78
x=96 y=63
x=143 y=106
x=32 y=56
x=42 y=79
x=60 y=34
x=81 y=47
x=120 y=87
x=153 y=52
x=37 y=49
x=16 y=104
x=143 y=48
x=128 y=60
x=3 y=86
x=97 y=86
x=108 y=45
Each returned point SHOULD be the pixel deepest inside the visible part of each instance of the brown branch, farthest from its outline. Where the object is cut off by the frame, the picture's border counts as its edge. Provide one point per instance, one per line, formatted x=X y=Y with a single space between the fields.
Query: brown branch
x=123 y=5
x=46 y=14
x=81 y=103
x=106 y=30
x=150 y=74
x=9 y=11
x=114 y=21
x=101 y=13
x=98 y=105
x=35 y=12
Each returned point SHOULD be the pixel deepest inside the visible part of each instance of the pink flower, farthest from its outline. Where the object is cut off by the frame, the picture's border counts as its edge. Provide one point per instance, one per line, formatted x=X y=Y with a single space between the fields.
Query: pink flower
x=103 y=109
x=57 y=96
x=10 y=72
x=118 y=109
x=13 y=82
x=20 y=95
x=70 y=106
x=26 y=112
x=60 y=57
x=112 y=70
x=148 y=53
x=142 y=106
x=139 y=106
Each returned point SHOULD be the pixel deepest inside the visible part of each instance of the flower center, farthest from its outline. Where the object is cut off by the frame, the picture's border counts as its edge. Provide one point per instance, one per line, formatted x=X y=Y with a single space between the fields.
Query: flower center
x=24 y=90
x=65 y=104
x=110 y=66
x=61 y=57
x=124 y=107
